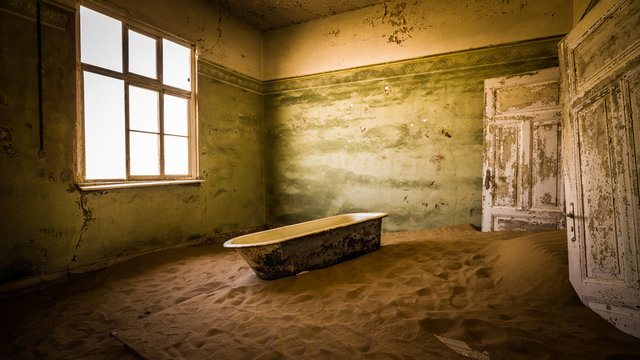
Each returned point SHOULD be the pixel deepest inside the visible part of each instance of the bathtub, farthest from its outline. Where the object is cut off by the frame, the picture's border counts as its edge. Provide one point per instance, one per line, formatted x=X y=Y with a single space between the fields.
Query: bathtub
x=291 y=249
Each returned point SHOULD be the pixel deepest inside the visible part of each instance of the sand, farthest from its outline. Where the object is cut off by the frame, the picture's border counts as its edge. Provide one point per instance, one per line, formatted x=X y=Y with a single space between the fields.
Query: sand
x=446 y=293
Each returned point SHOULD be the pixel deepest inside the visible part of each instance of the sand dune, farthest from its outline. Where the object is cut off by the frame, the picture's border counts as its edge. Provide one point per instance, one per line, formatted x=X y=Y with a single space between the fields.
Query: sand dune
x=446 y=293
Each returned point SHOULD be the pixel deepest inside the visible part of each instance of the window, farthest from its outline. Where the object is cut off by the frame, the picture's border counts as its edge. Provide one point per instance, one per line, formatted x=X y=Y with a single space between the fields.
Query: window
x=138 y=108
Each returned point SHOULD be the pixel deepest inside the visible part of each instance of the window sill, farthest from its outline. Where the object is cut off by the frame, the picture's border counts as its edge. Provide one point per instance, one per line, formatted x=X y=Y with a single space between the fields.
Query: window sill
x=133 y=184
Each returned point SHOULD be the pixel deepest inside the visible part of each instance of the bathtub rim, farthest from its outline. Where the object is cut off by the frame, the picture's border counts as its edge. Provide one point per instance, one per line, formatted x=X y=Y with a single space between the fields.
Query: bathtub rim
x=229 y=243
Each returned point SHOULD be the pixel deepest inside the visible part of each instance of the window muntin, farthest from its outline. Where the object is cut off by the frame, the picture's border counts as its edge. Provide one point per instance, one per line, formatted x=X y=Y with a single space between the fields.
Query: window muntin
x=138 y=110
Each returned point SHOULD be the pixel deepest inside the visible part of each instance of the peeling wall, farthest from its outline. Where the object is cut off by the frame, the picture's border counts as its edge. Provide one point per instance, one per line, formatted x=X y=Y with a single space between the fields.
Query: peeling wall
x=403 y=29
x=46 y=224
x=404 y=138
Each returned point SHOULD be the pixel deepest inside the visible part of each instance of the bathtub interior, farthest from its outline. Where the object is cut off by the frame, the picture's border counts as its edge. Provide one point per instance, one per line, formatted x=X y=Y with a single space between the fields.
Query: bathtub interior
x=301 y=229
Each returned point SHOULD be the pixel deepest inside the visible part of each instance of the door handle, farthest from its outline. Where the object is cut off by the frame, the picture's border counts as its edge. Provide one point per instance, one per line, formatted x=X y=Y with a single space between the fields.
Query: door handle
x=571 y=215
x=487 y=179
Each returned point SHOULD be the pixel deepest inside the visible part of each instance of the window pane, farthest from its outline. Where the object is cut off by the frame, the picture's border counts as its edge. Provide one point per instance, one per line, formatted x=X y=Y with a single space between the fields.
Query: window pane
x=142 y=54
x=104 y=127
x=143 y=109
x=144 y=150
x=176 y=155
x=101 y=40
x=176 y=65
x=176 y=115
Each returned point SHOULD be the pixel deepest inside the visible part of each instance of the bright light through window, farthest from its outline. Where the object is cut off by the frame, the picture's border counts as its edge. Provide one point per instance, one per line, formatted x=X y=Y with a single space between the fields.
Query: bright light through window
x=142 y=55
x=176 y=64
x=143 y=109
x=137 y=118
x=177 y=150
x=104 y=131
x=176 y=115
x=101 y=40
x=145 y=150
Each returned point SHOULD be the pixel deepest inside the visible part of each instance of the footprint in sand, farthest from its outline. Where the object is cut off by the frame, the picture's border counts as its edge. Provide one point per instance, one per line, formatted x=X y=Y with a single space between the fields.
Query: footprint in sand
x=236 y=296
x=454 y=265
x=458 y=299
x=355 y=293
x=213 y=332
x=483 y=273
x=424 y=292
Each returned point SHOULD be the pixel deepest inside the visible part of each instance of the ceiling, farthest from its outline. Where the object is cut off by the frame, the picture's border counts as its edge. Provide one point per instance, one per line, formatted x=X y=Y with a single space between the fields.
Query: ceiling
x=272 y=14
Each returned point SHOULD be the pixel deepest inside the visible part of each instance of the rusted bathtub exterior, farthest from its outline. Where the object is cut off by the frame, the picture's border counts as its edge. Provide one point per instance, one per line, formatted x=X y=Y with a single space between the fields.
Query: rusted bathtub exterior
x=310 y=245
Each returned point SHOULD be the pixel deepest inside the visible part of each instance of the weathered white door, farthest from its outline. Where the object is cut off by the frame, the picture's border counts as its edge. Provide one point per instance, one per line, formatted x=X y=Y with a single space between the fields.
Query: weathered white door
x=600 y=90
x=522 y=188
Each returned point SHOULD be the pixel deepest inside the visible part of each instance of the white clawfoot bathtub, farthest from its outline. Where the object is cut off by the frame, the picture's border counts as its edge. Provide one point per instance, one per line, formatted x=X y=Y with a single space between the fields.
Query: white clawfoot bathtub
x=291 y=249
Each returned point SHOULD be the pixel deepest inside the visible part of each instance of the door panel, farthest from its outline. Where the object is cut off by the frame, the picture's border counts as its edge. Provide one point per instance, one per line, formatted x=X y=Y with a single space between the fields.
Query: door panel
x=522 y=189
x=546 y=166
x=600 y=63
x=506 y=165
x=632 y=91
x=601 y=248
x=617 y=34
x=526 y=97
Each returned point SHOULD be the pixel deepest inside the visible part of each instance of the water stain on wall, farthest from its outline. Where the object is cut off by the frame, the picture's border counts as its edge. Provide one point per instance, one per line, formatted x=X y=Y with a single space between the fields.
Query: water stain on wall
x=414 y=152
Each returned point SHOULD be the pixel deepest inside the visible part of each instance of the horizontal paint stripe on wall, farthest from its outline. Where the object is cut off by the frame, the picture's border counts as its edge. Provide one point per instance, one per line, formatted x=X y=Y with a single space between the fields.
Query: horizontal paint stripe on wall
x=545 y=48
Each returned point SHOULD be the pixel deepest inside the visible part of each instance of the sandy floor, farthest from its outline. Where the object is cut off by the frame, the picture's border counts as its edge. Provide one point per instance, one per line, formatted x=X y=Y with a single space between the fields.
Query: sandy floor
x=447 y=293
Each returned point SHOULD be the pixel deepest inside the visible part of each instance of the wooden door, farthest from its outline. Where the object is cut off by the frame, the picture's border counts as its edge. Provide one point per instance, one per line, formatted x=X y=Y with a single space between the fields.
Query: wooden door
x=522 y=187
x=600 y=86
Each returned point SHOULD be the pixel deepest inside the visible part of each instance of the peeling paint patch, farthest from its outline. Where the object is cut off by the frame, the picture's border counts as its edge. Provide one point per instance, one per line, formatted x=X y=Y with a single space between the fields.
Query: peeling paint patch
x=334 y=33
x=437 y=159
x=6 y=134
x=395 y=17
x=10 y=150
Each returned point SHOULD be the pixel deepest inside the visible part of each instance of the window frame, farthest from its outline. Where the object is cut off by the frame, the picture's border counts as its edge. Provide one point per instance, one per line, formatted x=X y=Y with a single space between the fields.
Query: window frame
x=141 y=81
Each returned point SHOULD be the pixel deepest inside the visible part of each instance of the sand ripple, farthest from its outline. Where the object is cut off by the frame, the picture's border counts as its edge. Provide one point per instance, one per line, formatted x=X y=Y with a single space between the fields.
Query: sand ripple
x=431 y=294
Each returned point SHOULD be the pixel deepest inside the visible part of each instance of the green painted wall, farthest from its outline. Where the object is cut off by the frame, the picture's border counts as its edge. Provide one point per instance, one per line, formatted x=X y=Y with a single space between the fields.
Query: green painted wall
x=404 y=138
x=47 y=225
